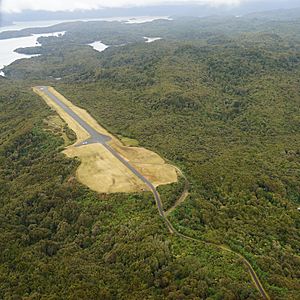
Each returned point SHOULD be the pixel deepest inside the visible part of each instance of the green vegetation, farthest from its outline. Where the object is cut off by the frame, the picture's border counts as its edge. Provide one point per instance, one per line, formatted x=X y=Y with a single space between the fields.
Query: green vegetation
x=61 y=241
x=128 y=141
x=221 y=102
x=171 y=192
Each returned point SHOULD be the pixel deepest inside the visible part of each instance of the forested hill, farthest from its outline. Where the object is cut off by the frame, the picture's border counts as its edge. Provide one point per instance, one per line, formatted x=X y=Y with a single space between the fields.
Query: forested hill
x=179 y=28
x=219 y=98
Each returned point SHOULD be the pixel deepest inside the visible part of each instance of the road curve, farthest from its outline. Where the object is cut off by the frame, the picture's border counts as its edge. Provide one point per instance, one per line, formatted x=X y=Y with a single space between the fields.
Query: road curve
x=183 y=195
x=97 y=137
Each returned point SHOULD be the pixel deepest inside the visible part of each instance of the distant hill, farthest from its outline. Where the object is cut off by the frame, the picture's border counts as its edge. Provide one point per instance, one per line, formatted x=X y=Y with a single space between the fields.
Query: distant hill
x=5 y=22
x=159 y=10
x=279 y=14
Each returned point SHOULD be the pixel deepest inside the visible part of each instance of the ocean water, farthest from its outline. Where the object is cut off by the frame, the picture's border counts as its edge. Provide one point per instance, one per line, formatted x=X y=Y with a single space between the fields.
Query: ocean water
x=99 y=46
x=7 y=46
x=127 y=20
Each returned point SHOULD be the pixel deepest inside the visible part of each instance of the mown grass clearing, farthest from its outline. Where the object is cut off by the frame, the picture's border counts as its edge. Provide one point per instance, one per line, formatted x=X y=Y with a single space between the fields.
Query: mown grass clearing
x=99 y=169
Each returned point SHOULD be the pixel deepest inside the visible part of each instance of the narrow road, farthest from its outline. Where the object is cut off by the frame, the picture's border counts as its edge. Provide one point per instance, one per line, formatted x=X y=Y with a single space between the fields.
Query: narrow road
x=183 y=195
x=96 y=137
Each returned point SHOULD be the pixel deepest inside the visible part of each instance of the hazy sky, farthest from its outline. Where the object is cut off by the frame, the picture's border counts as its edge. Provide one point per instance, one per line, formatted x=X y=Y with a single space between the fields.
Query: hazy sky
x=54 y=5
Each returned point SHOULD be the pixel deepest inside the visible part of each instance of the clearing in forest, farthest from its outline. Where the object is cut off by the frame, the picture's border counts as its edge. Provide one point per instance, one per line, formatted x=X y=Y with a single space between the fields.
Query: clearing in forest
x=99 y=169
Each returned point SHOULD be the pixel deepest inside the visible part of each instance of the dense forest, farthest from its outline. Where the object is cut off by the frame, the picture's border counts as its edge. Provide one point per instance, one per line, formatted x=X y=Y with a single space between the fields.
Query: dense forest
x=217 y=97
